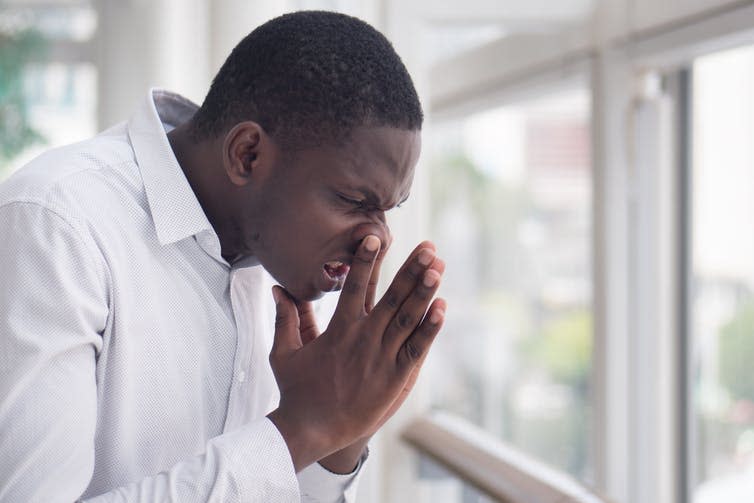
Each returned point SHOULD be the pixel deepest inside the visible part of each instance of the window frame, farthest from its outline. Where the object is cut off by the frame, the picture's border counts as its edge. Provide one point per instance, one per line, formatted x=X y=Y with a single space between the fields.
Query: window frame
x=642 y=431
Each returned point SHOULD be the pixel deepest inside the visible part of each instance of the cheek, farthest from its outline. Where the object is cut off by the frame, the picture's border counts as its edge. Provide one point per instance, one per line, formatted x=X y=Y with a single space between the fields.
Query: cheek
x=314 y=224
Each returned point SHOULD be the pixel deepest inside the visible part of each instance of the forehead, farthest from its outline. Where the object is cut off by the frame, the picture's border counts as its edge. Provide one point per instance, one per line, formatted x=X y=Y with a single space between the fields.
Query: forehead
x=381 y=159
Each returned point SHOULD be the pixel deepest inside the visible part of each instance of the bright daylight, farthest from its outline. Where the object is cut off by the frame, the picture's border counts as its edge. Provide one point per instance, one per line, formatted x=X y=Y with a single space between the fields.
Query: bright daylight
x=509 y=241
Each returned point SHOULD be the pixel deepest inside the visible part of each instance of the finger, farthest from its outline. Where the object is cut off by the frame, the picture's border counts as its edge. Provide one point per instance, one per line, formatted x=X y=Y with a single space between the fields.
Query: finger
x=287 y=338
x=352 y=297
x=403 y=283
x=375 y=277
x=438 y=265
x=412 y=376
x=412 y=311
x=308 y=328
x=415 y=348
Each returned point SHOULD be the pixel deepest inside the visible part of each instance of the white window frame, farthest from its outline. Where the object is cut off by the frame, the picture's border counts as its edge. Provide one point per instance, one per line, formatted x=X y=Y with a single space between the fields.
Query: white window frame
x=640 y=375
x=673 y=53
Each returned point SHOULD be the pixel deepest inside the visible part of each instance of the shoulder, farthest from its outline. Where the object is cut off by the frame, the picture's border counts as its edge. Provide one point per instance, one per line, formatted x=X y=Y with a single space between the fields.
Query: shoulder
x=75 y=180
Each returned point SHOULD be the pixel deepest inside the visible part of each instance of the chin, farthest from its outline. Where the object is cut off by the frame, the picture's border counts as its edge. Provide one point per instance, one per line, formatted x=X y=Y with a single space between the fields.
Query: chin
x=309 y=296
x=316 y=296
x=304 y=294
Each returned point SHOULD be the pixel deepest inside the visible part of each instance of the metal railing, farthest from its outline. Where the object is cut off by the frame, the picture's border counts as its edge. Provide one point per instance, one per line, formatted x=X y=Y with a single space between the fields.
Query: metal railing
x=494 y=469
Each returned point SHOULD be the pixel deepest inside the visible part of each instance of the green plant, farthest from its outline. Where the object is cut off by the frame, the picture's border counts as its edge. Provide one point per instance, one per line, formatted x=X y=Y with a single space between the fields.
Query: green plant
x=736 y=353
x=564 y=348
x=16 y=132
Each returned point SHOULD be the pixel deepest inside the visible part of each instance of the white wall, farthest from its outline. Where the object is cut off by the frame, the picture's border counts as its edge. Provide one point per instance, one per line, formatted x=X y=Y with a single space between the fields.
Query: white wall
x=175 y=44
x=141 y=44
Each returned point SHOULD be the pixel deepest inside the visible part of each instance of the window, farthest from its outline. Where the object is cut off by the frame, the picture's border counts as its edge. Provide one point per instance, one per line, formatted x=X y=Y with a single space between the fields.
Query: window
x=722 y=274
x=511 y=214
x=48 y=86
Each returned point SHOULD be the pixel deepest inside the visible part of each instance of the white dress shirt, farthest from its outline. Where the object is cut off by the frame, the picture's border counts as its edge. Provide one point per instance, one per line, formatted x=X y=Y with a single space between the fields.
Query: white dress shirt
x=133 y=357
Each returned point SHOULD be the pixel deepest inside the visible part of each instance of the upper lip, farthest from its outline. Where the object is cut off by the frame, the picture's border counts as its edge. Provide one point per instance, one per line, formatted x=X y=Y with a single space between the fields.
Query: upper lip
x=342 y=260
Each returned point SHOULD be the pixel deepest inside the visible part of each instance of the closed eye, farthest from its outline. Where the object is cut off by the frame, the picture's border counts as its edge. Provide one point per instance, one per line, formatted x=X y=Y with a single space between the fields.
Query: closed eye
x=348 y=200
x=365 y=204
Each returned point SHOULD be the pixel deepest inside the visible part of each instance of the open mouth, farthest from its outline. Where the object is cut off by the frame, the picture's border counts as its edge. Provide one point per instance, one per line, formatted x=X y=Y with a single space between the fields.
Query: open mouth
x=337 y=270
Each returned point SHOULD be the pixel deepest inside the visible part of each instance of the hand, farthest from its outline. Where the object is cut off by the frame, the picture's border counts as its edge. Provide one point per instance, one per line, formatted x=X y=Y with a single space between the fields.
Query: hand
x=341 y=386
x=437 y=265
x=346 y=459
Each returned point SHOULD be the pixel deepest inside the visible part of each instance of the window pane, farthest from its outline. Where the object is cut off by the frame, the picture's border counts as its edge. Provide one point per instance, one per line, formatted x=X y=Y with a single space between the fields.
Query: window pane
x=60 y=99
x=511 y=195
x=48 y=89
x=723 y=276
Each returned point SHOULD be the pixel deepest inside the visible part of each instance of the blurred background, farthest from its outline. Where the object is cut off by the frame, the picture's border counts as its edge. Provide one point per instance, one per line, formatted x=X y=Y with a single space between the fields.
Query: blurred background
x=587 y=171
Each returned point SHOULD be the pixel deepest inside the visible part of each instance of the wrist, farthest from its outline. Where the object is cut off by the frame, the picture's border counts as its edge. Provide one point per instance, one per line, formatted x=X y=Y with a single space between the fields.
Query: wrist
x=305 y=444
x=345 y=460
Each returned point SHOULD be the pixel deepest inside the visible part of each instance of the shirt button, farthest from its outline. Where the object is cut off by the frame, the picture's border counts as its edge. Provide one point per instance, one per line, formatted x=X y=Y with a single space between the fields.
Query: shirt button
x=241 y=376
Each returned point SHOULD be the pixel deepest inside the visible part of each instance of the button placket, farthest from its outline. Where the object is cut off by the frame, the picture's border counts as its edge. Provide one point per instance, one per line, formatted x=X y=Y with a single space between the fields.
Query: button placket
x=241 y=305
x=232 y=410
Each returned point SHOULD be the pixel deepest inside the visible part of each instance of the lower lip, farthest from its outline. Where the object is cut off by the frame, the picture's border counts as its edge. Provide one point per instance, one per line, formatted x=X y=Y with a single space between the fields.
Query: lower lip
x=330 y=284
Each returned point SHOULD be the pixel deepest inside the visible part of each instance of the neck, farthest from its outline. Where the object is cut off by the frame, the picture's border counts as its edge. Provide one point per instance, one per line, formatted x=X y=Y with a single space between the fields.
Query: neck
x=201 y=162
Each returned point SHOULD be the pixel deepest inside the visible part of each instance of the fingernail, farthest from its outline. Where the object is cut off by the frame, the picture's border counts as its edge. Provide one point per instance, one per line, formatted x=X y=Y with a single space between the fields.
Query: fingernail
x=430 y=278
x=371 y=243
x=436 y=316
x=425 y=257
x=276 y=294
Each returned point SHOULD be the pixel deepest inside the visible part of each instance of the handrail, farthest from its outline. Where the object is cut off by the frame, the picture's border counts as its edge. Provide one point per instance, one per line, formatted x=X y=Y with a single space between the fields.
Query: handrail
x=497 y=470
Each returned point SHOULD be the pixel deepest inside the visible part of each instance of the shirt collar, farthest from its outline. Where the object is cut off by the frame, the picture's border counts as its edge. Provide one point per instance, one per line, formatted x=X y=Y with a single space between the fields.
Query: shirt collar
x=175 y=210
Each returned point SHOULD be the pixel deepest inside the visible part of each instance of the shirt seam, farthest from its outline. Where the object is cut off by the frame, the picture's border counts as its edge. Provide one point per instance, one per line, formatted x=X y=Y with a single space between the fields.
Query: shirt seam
x=45 y=189
x=79 y=236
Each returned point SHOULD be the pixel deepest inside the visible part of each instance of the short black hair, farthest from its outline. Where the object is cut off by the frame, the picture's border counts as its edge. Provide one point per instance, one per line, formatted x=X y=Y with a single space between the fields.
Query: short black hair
x=309 y=78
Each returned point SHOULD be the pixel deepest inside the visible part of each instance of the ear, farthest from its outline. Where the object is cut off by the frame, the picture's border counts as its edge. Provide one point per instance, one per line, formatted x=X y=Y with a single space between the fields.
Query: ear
x=242 y=150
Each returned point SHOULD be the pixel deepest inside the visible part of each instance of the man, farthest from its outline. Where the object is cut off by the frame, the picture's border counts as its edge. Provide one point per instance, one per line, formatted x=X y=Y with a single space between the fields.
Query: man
x=137 y=353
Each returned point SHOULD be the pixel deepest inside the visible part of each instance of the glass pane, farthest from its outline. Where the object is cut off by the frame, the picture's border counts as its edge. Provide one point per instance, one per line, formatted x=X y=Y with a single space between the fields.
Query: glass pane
x=44 y=102
x=723 y=276
x=60 y=101
x=76 y=21
x=511 y=196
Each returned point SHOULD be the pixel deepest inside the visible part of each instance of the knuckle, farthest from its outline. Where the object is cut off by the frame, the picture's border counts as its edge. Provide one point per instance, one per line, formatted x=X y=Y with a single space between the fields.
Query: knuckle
x=365 y=256
x=413 y=352
x=414 y=271
x=404 y=321
x=423 y=292
x=352 y=287
x=392 y=301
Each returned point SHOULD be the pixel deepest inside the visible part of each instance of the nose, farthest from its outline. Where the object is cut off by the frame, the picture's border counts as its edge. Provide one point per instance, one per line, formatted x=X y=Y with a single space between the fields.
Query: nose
x=374 y=227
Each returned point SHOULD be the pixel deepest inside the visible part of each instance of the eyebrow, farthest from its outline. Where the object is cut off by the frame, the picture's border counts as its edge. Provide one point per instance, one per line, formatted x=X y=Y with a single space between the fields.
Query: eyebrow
x=374 y=200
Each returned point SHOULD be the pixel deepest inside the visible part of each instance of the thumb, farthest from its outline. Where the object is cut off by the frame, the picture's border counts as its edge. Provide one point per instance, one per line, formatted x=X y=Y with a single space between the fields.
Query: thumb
x=287 y=337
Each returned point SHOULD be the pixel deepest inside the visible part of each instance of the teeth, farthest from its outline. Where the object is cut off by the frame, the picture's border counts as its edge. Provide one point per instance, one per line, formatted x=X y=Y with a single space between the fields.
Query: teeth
x=336 y=269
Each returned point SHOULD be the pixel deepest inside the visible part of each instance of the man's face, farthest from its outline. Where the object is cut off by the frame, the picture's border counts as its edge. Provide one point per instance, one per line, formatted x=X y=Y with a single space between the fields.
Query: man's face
x=318 y=204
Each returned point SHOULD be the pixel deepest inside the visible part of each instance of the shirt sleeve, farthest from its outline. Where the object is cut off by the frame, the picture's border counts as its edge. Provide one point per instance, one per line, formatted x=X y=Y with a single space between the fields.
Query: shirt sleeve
x=319 y=485
x=54 y=295
x=248 y=465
